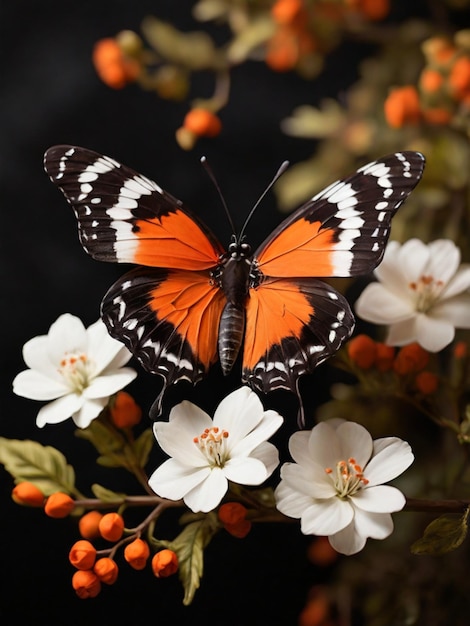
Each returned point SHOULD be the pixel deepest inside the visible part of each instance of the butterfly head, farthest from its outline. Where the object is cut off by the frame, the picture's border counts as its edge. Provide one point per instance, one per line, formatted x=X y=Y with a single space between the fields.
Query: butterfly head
x=238 y=249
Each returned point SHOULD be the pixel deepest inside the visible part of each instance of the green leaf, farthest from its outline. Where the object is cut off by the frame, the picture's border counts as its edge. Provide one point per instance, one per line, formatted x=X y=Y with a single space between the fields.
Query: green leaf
x=106 y=495
x=142 y=446
x=44 y=466
x=189 y=546
x=444 y=534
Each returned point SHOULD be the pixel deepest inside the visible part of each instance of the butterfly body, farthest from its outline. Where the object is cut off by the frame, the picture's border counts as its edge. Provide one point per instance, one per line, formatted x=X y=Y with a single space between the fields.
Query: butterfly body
x=189 y=302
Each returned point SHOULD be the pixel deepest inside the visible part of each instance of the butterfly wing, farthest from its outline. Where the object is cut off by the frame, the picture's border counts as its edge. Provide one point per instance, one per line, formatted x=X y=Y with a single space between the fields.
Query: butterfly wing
x=343 y=230
x=166 y=311
x=295 y=321
x=125 y=217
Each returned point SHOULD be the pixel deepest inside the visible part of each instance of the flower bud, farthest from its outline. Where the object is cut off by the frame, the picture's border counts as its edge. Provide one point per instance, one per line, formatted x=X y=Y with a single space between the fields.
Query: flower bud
x=82 y=555
x=112 y=66
x=202 y=122
x=88 y=525
x=59 y=505
x=111 y=526
x=28 y=494
x=107 y=570
x=164 y=563
x=86 y=584
x=137 y=553
x=233 y=517
x=362 y=351
x=410 y=359
x=124 y=410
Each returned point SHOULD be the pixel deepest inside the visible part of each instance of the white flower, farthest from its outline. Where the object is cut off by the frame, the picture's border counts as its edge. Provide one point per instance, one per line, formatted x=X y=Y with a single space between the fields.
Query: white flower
x=335 y=485
x=422 y=294
x=78 y=368
x=207 y=453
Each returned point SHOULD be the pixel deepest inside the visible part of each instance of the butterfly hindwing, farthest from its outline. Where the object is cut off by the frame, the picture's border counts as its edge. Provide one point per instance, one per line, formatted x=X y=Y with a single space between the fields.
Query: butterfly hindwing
x=343 y=230
x=127 y=218
x=166 y=318
x=292 y=326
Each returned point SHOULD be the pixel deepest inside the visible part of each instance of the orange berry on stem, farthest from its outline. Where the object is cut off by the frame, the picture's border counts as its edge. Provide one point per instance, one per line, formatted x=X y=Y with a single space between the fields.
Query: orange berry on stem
x=59 y=505
x=111 y=526
x=82 y=554
x=86 y=584
x=88 y=525
x=384 y=357
x=28 y=494
x=362 y=351
x=107 y=570
x=402 y=107
x=411 y=359
x=137 y=553
x=164 y=563
x=124 y=410
x=202 y=123
x=426 y=382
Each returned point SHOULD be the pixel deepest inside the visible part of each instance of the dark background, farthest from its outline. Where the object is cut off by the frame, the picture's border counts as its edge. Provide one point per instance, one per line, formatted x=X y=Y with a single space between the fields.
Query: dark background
x=50 y=94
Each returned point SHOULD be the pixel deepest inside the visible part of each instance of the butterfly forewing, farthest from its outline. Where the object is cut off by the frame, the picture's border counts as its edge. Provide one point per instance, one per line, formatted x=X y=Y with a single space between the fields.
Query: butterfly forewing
x=343 y=230
x=127 y=218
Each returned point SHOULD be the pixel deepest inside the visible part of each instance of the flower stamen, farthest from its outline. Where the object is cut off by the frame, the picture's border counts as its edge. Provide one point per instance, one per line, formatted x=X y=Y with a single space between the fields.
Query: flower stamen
x=427 y=290
x=211 y=442
x=348 y=478
x=76 y=369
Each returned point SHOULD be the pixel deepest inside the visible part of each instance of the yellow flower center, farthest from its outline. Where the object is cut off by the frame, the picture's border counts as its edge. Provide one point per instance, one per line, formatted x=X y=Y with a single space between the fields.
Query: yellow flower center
x=348 y=478
x=426 y=291
x=76 y=369
x=212 y=443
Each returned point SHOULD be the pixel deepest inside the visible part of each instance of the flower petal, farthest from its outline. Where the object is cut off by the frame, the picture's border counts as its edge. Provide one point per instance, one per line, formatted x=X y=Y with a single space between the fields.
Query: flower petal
x=402 y=333
x=105 y=351
x=373 y=525
x=326 y=517
x=433 y=334
x=88 y=411
x=455 y=311
x=271 y=421
x=355 y=442
x=113 y=381
x=268 y=455
x=379 y=305
x=312 y=481
x=173 y=480
x=208 y=494
x=298 y=447
x=444 y=259
x=59 y=410
x=290 y=502
x=37 y=386
x=36 y=356
x=392 y=456
x=245 y=471
x=66 y=335
x=379 y=499
x=239 y=413
x=348 y=541
x=324 y=447
x=458 y=283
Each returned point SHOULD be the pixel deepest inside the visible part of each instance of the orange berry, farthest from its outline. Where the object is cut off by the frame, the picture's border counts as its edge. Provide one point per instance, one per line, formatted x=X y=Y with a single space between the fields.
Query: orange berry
x=384 y=357
x=111 y=526
x=371 y=9
x=438 y=115
x=362 y=351
x=285 y=11
x=431 y=80
x=107 y=570
x=27 y=494
x=315 y=612
x=124 y=410
x=88 y=525
x=410 y=359
x=282 y=51
x=402 y=107
x=82 y=554
x=233 y=517
x=426 y=382
x=164 y=563
x=459 y=77
x=202 y=122
x=114 y=69
x=137 y=553
x=438 y=50
x=460 y=350
x=86 y=584
x=59 y=505
x=321 y=552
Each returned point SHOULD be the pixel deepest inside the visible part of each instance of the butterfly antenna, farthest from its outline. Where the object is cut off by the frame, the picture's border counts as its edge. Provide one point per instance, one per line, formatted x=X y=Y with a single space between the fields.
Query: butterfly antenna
x=211 y=175
x=277 y=176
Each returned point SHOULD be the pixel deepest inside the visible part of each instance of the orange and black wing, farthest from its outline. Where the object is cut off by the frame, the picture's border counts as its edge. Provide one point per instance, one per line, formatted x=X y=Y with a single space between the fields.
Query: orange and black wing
x=295 y=321
x=166 y=311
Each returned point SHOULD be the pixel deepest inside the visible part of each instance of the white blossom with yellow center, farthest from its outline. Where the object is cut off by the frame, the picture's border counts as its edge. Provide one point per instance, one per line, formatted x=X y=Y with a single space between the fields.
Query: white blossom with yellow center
x=206 y=454
x=78 y=368
x=422 y=294
x=335 y=485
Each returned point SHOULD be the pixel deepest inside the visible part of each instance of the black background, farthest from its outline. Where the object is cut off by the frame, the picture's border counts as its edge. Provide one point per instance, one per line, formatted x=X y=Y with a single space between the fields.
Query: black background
x=50 y=94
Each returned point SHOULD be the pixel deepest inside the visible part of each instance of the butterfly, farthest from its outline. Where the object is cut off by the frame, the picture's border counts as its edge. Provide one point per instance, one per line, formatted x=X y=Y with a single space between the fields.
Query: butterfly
x=190 y=302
